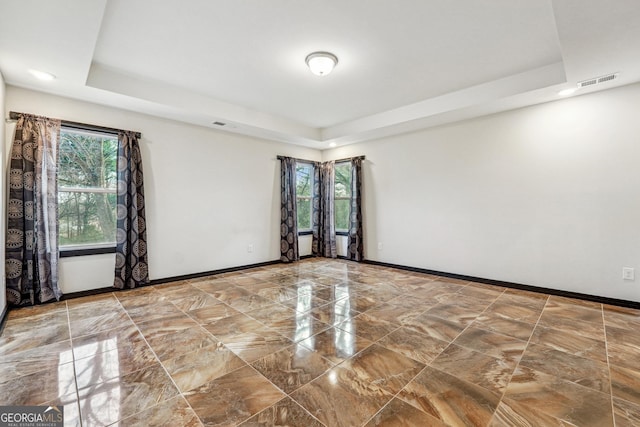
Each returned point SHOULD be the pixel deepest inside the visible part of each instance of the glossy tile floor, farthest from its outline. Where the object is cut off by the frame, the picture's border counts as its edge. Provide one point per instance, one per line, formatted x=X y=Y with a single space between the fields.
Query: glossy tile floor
x=325 y=342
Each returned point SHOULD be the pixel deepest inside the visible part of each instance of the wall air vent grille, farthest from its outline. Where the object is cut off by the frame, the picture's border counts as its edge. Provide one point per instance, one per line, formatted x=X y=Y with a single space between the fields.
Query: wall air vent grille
x=598 y=80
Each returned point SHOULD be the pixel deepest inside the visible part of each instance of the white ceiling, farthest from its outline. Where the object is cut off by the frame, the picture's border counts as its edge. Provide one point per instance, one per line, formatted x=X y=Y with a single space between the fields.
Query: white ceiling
x=403 y=65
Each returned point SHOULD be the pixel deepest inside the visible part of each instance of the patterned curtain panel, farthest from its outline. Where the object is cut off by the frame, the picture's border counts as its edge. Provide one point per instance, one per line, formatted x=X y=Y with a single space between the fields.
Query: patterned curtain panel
x=356 y=246
x=131 y=235
x=31 y=258
x=288 y=211
x=324 y=234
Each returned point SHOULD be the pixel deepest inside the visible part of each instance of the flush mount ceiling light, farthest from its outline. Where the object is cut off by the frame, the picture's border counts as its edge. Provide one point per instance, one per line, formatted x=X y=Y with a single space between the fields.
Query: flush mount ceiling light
x=42 y=75
x=321 y=63
x=567 y=92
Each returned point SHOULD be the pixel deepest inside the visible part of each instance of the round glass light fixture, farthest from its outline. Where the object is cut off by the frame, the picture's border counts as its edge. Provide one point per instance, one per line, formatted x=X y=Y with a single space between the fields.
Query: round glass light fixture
x=321 y=63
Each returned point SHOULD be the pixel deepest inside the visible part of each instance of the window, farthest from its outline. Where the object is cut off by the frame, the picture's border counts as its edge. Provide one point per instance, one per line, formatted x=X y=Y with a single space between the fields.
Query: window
x=342 y=196
x=87 y=189
x=304 y=187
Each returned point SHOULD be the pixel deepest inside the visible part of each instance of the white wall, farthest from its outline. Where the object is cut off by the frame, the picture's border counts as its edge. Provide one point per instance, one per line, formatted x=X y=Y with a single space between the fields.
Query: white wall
x=3 y=293
x=209 y=194
x=547 y=195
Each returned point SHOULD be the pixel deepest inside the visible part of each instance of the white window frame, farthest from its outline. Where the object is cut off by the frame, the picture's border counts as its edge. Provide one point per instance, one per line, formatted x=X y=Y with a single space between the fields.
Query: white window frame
x=86 y=248
x=342 y=231
x=308 y=199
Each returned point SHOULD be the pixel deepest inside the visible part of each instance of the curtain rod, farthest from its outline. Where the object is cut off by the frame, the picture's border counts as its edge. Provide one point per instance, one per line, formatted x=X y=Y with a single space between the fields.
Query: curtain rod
x=14 y=116
x=313 y=161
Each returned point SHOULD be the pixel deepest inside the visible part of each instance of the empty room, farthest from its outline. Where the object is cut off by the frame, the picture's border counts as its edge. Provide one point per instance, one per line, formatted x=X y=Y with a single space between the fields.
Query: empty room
x=320 y=213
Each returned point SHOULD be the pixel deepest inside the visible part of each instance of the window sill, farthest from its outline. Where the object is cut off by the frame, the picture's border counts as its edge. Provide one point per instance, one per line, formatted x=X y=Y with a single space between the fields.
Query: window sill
x=342 y=233
x=305 y=233
x=66 y=253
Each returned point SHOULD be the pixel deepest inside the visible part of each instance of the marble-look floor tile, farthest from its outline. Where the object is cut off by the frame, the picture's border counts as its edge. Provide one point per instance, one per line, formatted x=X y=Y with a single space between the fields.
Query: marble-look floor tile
x=367 y=327
x=231 y=294
x=233 y=398
x=450 y=399
x=250 y=302
x=299 y=327
x=400 y=414
x=383 y=367
x=435 y=327
x=488 y=293
x=335 y=312
x=625 y=383
x=36 y=310
x=396 y=313
x=278 y=293
x=111 y=364
x=415 y=345
x=336 y=344
x=572 y=309
x=284 y=413
x=292 y=367
x=195 y=301
x=355 y=301
x=44 y=358
x=339 y=398
x=88 y=345
x=159 y=310
x=304 y=303
x=559 y=398
x=104 y=322
x=504 y=325
x=586 y=329
x=98 y=300
x=251 y=346
x=233 y=326
x=390 y=323
x=39 y=387
x=626 y=414
x=212 y=285
x=173 y=412
x=22 y=324
x=513 y=414
x=159 y=327
x=131 y=300
x=107 y=402
x=71 y=409
x=491 y=343
x=510 y=308
x=622 y=318
x=176 y=343
x=212 y=313
x=570 y=343
x=586 y=372
x=620 y=344
x=14 y=343
x=178 y=290
x=489 y=372
x=530 y=295
x=109 y=306
x=191 y=370
x=273 y=313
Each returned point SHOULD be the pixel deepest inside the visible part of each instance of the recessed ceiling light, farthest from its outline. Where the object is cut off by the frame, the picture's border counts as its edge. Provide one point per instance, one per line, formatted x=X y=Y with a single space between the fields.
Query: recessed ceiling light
x=567 y=92
x=321 y=63
x=332 y=144
x=42 y=75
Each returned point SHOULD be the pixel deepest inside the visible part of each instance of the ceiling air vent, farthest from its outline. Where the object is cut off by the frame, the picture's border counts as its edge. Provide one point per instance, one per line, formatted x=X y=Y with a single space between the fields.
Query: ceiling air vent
x=597 y=80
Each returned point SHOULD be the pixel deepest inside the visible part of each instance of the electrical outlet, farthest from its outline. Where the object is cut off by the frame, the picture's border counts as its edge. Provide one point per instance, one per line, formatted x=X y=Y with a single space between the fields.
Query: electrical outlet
x=379 y=246
x=250 y=248
x=628 y=273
